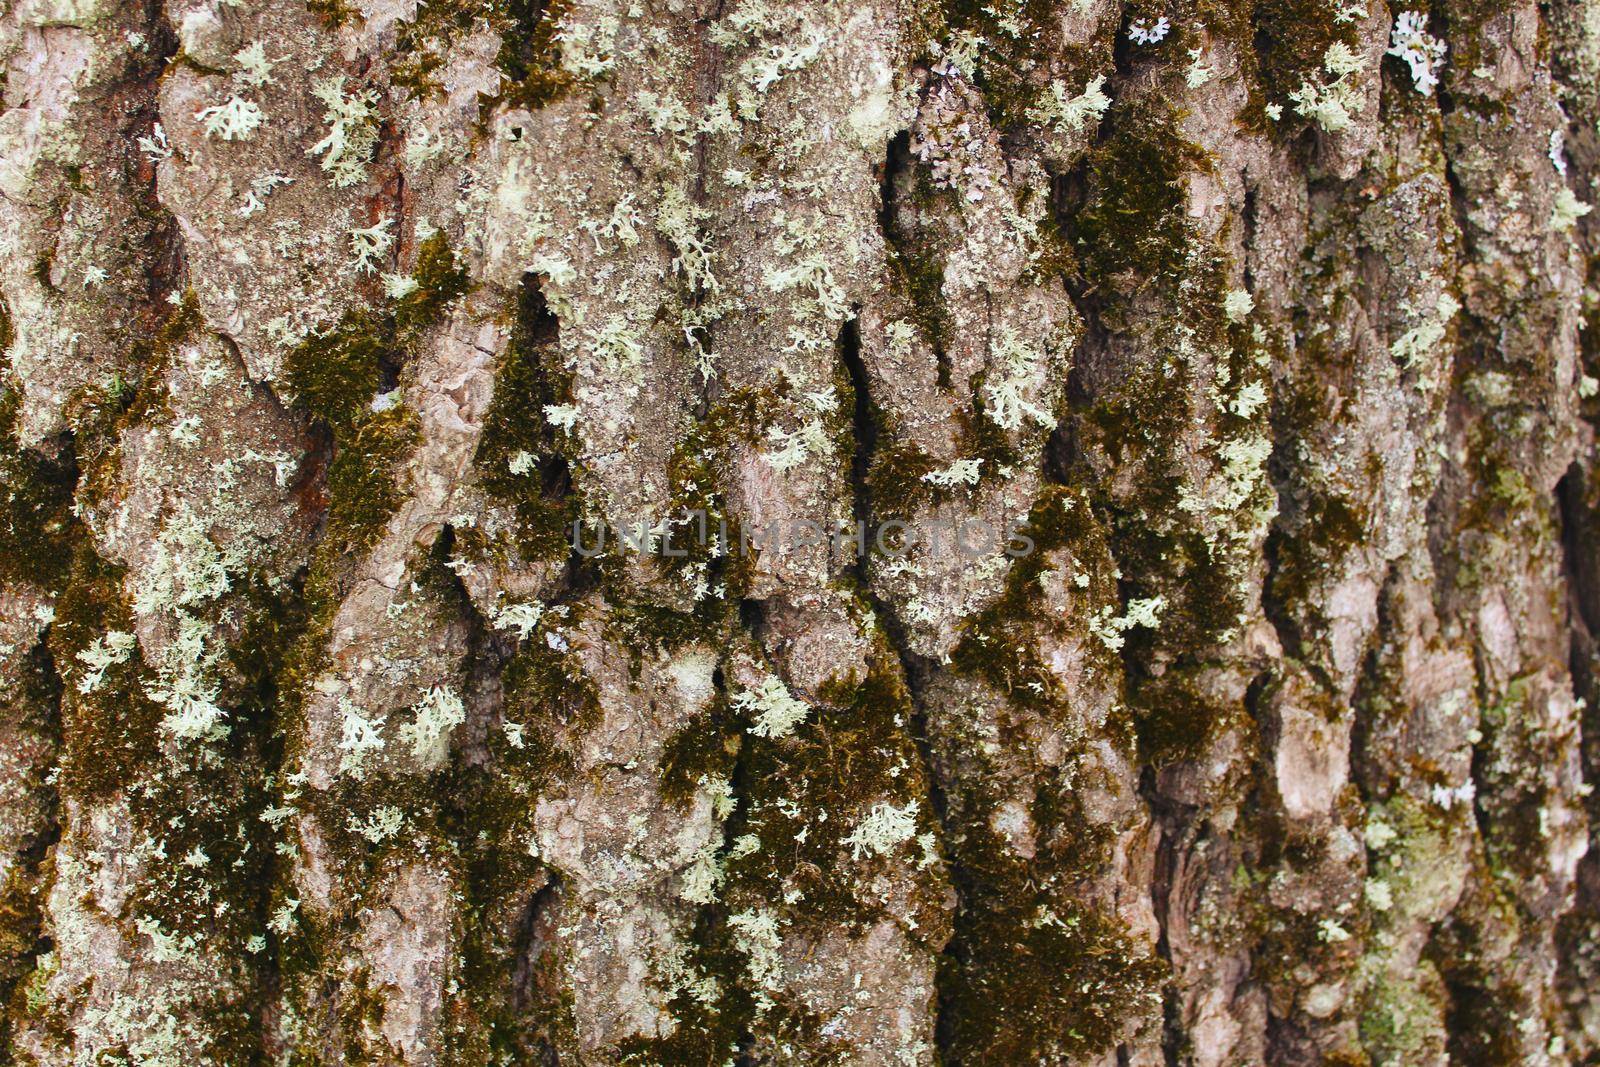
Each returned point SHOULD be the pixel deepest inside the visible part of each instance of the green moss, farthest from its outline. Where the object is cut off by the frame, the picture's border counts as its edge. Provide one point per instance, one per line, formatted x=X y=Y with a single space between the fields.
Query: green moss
x=1023 y=45
x=1306 y=552
x=703 y=748
x=1133 y=227
x=706 y=1035
x=712 y=1035
x=918 y=272
x=644 y=626
x=440 y=280
x=999 y=644
x=549 y=694
x=109 y=737
x=530 y=54
x=1178 y=714
x=26 y=885
x=362 y=491
x=895 y=484
x=1036 y=978
x=529 y=377
x=36 y=521
x=1033 y=974
x=334 y=376
x=845 y=757
x=1290 y=40
x=1136 y=427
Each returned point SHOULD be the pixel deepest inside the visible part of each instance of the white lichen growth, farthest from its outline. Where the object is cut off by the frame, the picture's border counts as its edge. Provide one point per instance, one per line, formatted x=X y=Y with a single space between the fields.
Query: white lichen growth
x=883 y=829
x=776 y=711
x=1558 y=151
x=961 y=472
x=260 y=188
x=236 y=119
x=398 y=286
x=1379 y=834
x=703 y=877
x=1420 y=341
x=679 y=221
x=756 y=934
x=437 y=715
x=1110 y=628
x=796 y=446
x=155 y=146
x=1237 y=305
x=370 y=246
x=1015 y=372
x=255 y=69
x=187 y=572
x=523 y=618
x=561 y=416
x=360 y=739
x=1333 y=105
x=1252 y=397
x=352 y=132
x=1141 y=31
x=1071 y=114
x=384 y=822
x=588 y=50
x=1422 y=52
x=114 y=647
x=1567 y=209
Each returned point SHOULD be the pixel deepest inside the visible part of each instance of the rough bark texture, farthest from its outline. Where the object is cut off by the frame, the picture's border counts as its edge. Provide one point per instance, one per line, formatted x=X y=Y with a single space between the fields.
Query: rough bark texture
x=319 y=743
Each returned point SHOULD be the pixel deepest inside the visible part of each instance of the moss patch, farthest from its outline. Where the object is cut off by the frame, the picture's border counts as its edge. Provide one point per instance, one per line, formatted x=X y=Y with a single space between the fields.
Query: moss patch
x=516 y=433
x=362 y=491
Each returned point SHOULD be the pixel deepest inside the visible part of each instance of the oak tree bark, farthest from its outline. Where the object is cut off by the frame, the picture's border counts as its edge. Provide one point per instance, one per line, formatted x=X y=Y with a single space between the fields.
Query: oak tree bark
x=1263 y=732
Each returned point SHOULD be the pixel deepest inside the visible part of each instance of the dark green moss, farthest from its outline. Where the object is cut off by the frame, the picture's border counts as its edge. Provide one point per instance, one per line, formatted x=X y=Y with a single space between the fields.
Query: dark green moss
x=362 y=492
x=334 y=376
x=1033 y=974
x=1177 y=714
x=895 y=478
x=1290 y=39
x=548 y=694
x=529 y=377
x=643 y=626
x=705 y=1034
x=918 y=272
x=853 y=751
x=1021 y=990
x=440 y=280
x=36 y=521
x=1023 y=45
x=1486 y=1004
x=1304 y=552
x=708 y=1035
x=1132 y=228
x=110 y=737
x=530 y=54
x=703 y=748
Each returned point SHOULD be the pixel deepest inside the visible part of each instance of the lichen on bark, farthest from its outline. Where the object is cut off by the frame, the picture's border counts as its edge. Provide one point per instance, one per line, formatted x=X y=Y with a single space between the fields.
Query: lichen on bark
x=336 y=333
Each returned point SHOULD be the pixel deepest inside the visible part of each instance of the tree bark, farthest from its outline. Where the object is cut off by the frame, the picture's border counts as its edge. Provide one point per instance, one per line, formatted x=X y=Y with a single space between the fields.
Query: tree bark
x=1100 y=510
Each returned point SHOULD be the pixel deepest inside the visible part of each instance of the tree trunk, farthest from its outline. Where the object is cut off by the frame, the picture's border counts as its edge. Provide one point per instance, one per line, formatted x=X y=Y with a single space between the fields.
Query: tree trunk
x=696 y=533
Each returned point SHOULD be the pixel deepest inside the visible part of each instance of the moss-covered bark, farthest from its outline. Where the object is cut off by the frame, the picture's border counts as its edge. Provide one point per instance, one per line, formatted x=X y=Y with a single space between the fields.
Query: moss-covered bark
x=336 y=333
